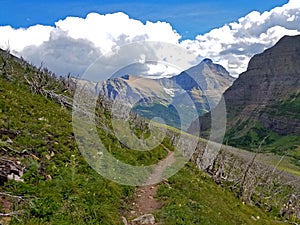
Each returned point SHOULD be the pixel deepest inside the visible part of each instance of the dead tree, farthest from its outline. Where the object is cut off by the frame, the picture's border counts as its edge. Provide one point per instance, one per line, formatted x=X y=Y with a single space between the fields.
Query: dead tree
x=268 y=181
x=45 y=83
x=6 y=68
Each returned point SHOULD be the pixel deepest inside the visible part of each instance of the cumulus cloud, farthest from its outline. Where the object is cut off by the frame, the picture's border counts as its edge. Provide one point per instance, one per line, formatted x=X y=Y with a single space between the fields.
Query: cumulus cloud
x=74 y=43
x=63 y=54
x=148 y=58
x=18 y=39
x=105 y=31
x=235 y=43
x=102 y=48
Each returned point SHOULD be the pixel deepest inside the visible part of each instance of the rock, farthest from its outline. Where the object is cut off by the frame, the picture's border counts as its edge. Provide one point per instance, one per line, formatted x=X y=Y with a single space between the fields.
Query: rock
x=42 y=119
x=124 y=220
x=264 y=97
x=144 y=219
x=9 y=141
x=10 y=170
x=10 y=133
x=14 y=177
x=253 y=218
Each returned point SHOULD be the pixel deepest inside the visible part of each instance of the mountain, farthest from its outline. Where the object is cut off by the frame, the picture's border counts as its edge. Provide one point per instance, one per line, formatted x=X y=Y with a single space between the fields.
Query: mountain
x=264 y=102
x=178 y=100
x=45 y=179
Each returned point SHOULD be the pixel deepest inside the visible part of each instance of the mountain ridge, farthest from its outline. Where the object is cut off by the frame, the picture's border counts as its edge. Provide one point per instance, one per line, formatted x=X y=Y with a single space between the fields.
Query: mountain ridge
x=195 y=90
x=263 y=103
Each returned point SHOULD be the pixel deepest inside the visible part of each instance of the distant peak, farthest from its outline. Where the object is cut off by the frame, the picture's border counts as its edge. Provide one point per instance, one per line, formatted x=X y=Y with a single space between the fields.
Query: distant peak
x=219 y=69
x=207 y=61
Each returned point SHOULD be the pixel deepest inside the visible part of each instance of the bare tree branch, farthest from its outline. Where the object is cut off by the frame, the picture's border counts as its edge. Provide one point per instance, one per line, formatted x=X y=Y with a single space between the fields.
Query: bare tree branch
x=11 y=213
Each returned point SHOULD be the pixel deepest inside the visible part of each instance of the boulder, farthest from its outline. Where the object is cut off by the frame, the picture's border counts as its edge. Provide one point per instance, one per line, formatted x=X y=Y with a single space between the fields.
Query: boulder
x=144 y=219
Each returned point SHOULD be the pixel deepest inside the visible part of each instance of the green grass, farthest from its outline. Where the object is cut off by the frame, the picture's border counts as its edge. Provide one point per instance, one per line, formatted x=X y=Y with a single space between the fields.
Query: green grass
x=60 y=185
x=285 y=163
x=167 y=113
x=288 y=107
x=191 y=197
x=250 y=135
x=61 y=188
x=75 y=194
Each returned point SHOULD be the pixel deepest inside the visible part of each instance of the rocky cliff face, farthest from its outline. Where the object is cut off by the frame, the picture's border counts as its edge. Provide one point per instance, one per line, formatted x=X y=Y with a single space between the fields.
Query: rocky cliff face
x=270 y=76
x=267 y=96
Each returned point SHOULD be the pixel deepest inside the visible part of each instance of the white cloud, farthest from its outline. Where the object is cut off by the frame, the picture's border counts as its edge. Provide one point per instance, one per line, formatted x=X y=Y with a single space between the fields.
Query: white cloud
x=235 y=43
x=64 y=48
x=63 y=54
x=17 y=39
x=107 y=31
x=146 y=58
x=75 y=43
x=161 y=70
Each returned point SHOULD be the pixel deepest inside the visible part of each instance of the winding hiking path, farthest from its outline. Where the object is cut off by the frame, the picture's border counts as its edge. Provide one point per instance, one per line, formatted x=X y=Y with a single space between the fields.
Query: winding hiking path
x=145 y=201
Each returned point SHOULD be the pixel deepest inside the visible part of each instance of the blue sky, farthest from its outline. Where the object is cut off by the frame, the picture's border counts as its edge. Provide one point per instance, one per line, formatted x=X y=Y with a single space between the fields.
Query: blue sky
x=228 y=32
x=189 y=18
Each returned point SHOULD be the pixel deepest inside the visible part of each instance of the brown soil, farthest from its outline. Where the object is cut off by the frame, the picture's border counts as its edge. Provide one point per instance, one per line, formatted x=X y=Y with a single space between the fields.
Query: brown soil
x=145 y=201
x=145 y=196
x=5 y=206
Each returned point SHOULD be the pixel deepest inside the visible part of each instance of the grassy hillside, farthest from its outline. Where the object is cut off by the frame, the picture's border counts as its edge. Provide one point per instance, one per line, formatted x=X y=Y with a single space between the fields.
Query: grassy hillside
x=193 y=198
x=59 y=187
x=251 y=134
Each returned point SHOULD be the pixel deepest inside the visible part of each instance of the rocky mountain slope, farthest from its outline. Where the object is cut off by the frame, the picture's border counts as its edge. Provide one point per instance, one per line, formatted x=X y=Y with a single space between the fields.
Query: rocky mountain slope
x=264 y=102
x=178 y=100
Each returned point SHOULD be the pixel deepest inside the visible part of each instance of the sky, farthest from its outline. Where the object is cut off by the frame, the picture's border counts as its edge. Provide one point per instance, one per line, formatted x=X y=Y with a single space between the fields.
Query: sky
x=59 y=33
x=189 y=18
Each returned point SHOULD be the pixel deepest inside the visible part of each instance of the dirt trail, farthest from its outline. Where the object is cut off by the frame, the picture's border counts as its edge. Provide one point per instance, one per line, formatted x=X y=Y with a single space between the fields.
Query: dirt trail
x=145 y=201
